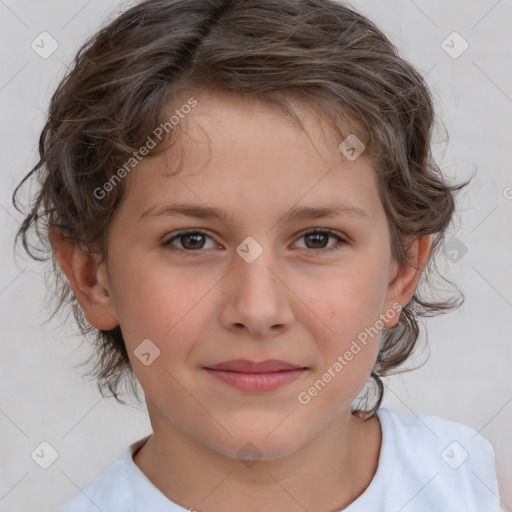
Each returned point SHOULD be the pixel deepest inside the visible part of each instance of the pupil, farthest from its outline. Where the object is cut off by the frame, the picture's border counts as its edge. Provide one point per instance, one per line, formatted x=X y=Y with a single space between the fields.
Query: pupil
x=316 y=236
x=195 y=237
x=197 y=240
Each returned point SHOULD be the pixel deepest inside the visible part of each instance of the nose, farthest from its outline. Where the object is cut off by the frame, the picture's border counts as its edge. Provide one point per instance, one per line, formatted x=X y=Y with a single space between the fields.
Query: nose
x=257 y=297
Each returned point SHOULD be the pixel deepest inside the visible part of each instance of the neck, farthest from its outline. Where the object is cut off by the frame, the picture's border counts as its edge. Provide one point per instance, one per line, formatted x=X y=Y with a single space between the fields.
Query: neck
x=328 y=473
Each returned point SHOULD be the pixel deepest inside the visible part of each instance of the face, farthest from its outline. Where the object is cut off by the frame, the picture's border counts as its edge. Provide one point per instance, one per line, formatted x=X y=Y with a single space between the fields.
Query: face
x=251 y=284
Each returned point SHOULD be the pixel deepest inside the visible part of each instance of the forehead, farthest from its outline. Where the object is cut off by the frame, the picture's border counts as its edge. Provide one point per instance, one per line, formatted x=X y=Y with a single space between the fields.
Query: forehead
x=245 y=153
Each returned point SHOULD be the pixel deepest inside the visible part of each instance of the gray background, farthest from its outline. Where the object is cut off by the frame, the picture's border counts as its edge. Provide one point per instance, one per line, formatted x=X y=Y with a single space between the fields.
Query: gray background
x=43 y=396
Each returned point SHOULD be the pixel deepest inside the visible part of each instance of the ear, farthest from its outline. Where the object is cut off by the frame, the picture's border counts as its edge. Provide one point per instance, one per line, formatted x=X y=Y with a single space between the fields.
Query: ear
x=405 y=279
x=89 y=279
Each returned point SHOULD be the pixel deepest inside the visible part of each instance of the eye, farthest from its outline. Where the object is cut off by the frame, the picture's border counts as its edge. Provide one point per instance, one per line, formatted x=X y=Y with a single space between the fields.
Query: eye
x=193 y=240
x=190 y=240
x=318 y=237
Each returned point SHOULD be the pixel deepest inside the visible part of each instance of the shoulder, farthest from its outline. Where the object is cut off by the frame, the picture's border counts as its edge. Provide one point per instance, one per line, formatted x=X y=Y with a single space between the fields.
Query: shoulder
x=122 y=487
x=109 y=492
x=458 y=442
x=447 y=463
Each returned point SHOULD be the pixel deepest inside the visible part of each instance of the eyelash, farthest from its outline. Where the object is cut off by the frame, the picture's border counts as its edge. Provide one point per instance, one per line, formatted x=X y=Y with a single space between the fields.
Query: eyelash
x=310 y=231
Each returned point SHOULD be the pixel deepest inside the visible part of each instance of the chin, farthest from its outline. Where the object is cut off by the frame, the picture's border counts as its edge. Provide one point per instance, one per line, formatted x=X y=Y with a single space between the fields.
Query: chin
x=253 y=444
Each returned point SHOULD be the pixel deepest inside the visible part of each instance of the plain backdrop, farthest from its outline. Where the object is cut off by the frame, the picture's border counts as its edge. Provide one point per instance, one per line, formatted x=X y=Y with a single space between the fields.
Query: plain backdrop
x=43 y=395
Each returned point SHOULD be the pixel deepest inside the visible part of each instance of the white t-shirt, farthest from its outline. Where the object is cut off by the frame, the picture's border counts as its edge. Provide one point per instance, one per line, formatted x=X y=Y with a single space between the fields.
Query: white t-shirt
x=426 y=464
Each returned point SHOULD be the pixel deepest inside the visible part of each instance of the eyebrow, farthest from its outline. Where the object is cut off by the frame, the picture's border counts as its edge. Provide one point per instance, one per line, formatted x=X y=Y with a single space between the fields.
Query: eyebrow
x=294 y=214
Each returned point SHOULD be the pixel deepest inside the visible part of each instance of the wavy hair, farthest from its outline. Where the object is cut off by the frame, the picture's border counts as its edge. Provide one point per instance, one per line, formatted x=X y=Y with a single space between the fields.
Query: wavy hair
x=320 y=51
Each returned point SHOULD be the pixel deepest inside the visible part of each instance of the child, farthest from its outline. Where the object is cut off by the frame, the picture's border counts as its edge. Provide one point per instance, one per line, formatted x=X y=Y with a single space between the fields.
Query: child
x=254 y=129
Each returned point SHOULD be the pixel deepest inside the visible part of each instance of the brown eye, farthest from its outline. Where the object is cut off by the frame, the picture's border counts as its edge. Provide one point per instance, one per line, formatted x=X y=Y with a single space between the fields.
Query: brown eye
x=189 y=240
x=319 y=238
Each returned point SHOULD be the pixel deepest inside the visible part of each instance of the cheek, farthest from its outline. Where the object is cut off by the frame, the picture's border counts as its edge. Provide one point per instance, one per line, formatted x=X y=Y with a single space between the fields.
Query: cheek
x=349 y=299
x=169 y=307
x=170 y=317
x=150 y=299
x=346 y=323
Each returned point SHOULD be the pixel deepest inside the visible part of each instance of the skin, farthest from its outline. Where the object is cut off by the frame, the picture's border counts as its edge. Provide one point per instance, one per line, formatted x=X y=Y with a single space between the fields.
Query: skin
x=294 y=302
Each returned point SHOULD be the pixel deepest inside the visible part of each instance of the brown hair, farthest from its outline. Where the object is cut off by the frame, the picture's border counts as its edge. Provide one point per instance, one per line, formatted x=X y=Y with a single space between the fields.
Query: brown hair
x=320 y=51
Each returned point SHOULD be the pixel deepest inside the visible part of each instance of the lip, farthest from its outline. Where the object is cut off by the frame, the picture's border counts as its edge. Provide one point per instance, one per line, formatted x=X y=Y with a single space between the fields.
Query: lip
x=248 y=366
x=256 y=376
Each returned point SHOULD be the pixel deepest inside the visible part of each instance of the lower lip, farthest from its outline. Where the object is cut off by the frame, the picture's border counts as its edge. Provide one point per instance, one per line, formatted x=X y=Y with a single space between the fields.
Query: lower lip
x=257 y=381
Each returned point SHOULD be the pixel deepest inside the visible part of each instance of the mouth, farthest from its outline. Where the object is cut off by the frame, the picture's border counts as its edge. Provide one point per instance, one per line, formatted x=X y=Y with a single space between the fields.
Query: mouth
x=256 y=376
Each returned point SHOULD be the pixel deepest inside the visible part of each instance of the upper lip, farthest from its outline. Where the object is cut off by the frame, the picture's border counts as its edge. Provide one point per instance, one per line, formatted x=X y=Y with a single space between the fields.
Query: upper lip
x=247 y=366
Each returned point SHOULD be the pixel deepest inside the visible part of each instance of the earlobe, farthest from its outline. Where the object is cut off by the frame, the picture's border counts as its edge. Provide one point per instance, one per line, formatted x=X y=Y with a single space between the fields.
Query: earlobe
x=88 y=278
x=407 y=277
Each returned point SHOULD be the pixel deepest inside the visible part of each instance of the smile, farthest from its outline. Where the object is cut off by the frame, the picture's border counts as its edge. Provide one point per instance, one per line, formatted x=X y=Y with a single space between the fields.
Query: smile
x=256 y=382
